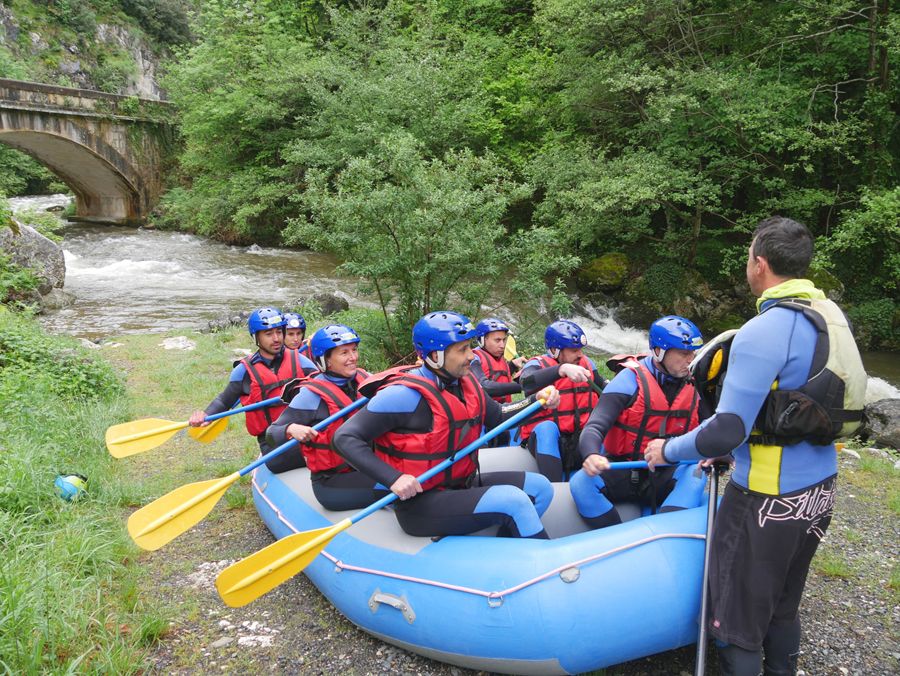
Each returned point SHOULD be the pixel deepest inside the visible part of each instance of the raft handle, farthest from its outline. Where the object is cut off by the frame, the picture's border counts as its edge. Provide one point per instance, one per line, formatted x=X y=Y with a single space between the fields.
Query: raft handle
x=398 y=602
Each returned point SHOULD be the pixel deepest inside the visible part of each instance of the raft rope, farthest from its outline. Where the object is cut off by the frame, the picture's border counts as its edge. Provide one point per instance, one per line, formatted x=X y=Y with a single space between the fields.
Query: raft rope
x=490 y=595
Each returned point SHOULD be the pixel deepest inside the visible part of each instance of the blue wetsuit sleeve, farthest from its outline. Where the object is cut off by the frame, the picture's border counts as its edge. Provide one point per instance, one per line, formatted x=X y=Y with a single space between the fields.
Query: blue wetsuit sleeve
x=618 y=395
x=307 y=365
x=534 y=378
x=758 y=354
x=238 y=385
x=493 y=389
x=355 y=438
x=307 y=408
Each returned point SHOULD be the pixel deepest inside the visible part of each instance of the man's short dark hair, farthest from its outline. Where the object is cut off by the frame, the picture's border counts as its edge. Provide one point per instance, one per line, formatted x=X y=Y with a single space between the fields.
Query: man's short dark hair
x=787 y=245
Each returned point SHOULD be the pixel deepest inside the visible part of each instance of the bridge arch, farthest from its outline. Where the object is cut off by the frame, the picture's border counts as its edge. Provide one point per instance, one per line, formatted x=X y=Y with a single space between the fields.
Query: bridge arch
x=111 y=150
x=102 y=190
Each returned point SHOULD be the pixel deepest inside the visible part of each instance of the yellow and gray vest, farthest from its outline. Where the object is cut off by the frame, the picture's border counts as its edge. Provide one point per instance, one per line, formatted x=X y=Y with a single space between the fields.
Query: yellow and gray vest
x=828 y=406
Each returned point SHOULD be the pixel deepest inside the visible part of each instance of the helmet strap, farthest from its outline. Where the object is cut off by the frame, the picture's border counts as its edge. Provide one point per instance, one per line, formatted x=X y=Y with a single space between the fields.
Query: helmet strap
x=435 y=365
x=553 y=352
x=658 y=358
x=480 y=341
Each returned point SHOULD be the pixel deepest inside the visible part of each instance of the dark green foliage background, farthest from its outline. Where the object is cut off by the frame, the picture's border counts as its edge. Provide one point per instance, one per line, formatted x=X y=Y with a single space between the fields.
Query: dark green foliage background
x=661 y=129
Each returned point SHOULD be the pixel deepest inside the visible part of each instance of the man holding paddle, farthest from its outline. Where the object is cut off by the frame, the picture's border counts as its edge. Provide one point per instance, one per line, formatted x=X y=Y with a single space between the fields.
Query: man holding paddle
x=552 y=436
x=651 y=396
x=420 y=416
x=794 y=383
x=261 y=375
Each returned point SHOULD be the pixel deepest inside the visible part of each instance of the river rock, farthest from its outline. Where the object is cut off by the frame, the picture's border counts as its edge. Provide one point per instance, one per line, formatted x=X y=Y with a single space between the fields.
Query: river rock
x=57 y=299
x=178 y=343
x=30 y=249
x=881 y=423
x=328 y=303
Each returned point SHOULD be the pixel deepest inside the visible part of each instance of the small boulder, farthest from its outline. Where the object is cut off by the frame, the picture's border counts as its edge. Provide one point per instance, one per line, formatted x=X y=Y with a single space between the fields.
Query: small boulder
x=178 y=343
x=30 y=249
x=57 y=299
x=881 y=423
x=827 y=282
x=328 y=303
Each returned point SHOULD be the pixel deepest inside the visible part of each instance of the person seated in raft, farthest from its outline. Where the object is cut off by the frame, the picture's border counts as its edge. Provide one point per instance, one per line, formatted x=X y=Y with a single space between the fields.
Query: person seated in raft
x=493 y=370
x=419 y=416
x=552 y=436
x=650 y=397
x=335 y=484
x=260 y=376
x=295 y=332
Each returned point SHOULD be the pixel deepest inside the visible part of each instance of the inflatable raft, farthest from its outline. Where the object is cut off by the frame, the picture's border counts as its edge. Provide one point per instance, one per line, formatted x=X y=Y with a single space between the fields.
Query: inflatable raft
x=580 y=601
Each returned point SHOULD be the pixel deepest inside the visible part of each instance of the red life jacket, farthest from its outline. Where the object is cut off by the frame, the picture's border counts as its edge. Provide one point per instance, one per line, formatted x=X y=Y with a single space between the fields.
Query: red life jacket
x=265 y=384
x=318 y=453
x=456 y=424
x=650 y=416
x=576 y=401
x=496 y=370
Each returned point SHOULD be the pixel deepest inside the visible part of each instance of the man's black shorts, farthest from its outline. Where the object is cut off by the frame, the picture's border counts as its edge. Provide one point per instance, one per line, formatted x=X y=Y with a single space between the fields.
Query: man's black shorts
x=761 y=550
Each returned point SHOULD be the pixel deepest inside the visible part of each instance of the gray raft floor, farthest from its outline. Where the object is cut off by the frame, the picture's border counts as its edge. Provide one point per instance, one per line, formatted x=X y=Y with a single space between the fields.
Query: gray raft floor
x=382 y=529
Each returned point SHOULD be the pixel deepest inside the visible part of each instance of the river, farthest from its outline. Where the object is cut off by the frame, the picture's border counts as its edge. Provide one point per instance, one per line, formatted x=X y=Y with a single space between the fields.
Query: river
x=128 y=280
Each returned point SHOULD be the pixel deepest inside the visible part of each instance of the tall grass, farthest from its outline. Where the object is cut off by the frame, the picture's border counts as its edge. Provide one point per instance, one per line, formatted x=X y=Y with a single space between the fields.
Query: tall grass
x=68 y=600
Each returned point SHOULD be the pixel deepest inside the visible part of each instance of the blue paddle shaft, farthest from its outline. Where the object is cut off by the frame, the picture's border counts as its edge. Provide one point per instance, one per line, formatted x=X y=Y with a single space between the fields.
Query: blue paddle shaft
x=293 y=442
x=242 y=409
x=459 y=455
x=642 y=464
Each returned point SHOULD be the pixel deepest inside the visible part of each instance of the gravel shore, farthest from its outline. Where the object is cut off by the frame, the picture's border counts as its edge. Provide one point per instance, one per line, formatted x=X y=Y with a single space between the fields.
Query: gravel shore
x=850 y=611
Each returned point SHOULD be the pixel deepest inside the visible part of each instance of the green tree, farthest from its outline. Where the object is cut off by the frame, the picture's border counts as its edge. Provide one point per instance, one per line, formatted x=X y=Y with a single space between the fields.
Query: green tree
x=421 y=234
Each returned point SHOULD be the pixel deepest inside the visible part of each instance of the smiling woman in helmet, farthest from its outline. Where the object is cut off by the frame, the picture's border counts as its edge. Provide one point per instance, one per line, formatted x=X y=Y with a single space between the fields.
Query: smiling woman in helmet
x=336 y=485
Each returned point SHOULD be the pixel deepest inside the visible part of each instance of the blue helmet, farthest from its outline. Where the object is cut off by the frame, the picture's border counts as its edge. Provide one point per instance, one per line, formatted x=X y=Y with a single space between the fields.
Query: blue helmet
x=673 y=331
x=294 y=320
x=562 y=334
x=263 y=319
x=489 y=325
x=438 y=330
x=328 y=338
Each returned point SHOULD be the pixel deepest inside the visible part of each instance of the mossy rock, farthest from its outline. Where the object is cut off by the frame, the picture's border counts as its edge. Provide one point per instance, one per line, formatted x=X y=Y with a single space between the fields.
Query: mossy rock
x=827 y=282
x=605 y=273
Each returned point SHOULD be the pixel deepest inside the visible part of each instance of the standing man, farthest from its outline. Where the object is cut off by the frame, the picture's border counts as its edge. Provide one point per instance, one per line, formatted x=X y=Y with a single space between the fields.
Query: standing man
x=421 y=416
x=335 y=484
x=650 y=397
x=491 y=368
x=794 y=383
x=260 y=376
x=552 y=435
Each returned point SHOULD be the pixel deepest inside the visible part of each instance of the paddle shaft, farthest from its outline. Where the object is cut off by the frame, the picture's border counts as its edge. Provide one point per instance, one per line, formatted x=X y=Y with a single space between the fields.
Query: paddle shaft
x=459 y=455
x=700 y=663
x=293 y=442
x=642 y=464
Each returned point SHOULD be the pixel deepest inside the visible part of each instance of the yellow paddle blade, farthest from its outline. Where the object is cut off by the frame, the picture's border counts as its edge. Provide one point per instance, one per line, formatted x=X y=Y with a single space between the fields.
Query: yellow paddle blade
x=138 y=436
x=206 y=434
x=509 y=352
x=163 y=520
x=250 y=578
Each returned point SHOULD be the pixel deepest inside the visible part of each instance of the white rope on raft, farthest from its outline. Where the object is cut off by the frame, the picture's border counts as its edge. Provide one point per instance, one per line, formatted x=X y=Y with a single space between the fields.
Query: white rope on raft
x=480 y=592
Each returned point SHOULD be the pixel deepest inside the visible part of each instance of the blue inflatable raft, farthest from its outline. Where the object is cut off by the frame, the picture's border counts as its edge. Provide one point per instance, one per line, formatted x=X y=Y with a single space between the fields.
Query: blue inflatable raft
x=580 y=601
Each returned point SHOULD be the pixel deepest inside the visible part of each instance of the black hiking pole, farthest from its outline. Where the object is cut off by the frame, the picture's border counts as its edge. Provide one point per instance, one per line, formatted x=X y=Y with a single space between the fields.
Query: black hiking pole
x=700 y=663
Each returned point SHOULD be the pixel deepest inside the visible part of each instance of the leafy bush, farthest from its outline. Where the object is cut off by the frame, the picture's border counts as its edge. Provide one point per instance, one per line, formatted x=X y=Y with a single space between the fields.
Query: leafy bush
x=875 y=324
x=15 y=282
x=53 y=361
x=44 y=222
x=165 y=20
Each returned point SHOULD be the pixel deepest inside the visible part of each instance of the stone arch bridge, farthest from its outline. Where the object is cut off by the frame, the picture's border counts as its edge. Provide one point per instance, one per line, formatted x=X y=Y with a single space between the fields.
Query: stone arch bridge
x=110 y=150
